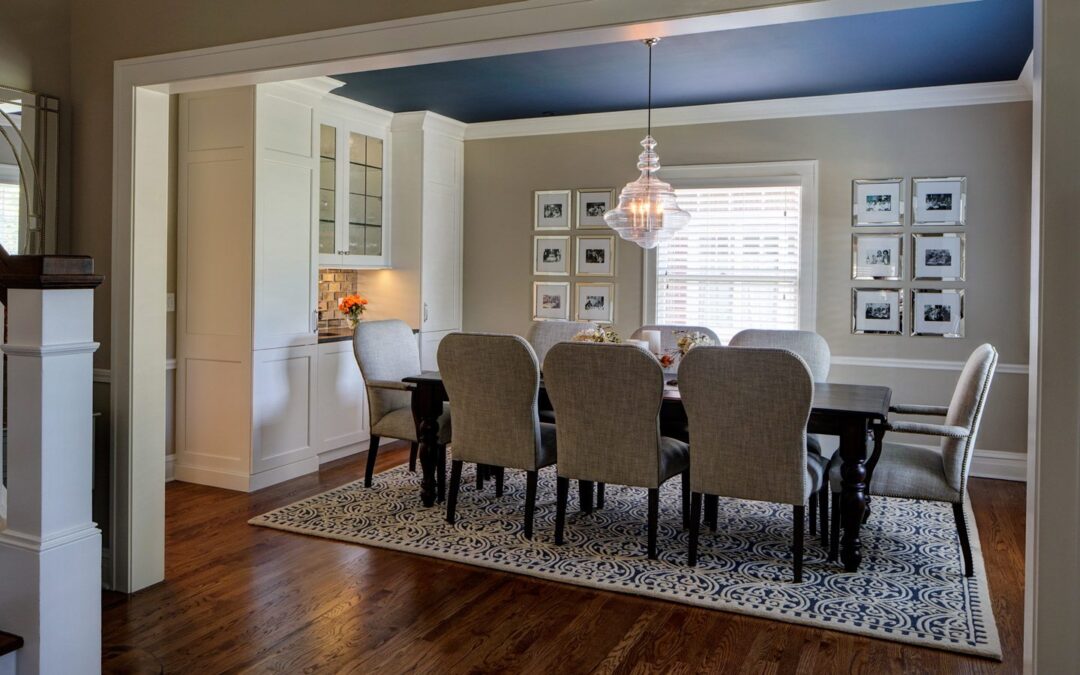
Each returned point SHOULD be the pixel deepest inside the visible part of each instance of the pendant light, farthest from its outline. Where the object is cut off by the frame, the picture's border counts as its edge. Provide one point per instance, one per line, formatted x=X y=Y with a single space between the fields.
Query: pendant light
x=647 y=212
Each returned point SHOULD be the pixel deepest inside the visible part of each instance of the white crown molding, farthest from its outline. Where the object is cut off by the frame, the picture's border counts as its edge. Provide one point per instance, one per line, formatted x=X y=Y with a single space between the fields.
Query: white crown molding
x=1027 y=75
x=810 y=106
x=920 y=364
x=429 y=121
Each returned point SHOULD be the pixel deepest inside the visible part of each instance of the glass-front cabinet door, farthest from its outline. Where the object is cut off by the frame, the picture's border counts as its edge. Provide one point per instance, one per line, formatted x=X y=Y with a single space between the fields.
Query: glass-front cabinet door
x=352 y=209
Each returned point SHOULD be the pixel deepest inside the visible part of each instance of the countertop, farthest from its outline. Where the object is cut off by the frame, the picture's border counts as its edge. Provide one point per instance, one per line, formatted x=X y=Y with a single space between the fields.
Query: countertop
x=340 y=335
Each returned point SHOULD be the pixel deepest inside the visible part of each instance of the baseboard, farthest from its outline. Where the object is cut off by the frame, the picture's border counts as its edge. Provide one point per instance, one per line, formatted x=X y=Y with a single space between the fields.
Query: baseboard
x=999 y=465
x=339 y=453
x=170 y=468
x=243 y=482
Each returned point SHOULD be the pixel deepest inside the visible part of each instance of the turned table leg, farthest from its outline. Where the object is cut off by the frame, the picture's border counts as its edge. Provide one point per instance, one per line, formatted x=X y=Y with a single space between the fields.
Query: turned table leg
x=853 y=492
x=427 y=407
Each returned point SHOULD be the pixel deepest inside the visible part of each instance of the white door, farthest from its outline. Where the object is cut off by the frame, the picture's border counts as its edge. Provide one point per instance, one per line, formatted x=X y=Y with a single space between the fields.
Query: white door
x=341 y=404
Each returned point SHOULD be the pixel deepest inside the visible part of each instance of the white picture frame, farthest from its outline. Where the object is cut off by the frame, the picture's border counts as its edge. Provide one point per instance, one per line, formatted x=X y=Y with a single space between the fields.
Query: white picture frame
x=551 y=210
x=551 y=256
x=937 y=312
x=551 y=300
x=595 y=256
x=590 y=205
x=877 y=256
x=877 y=202
x=877 y=311
x=938 y=256
x=594 y=302
x=939 y=202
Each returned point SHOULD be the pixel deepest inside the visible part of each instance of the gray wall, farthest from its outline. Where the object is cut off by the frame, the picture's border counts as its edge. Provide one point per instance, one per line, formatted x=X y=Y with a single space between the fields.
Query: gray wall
x=990 y=144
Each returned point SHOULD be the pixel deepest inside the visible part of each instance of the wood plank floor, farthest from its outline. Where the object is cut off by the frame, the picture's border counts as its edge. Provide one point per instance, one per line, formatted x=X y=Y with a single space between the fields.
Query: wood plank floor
x=246 y=599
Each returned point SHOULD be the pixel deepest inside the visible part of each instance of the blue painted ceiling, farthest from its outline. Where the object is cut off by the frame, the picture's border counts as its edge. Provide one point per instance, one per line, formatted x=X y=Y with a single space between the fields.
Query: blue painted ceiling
x=984 y=41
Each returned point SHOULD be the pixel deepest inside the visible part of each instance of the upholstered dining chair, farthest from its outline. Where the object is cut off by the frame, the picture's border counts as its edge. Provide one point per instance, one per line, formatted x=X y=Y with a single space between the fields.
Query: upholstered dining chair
x=387 y=352
x=607 y=398
x=939 y=473
x=543 y=335
x=492 y=382
x=669 y=334
x=748 y=410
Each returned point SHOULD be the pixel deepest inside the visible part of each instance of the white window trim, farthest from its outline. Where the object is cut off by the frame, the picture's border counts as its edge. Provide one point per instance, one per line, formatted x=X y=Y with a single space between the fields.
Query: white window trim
x=800 y=172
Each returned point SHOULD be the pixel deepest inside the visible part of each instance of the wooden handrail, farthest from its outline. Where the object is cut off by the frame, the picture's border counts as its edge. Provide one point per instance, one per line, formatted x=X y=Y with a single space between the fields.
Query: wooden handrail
x=46 y=271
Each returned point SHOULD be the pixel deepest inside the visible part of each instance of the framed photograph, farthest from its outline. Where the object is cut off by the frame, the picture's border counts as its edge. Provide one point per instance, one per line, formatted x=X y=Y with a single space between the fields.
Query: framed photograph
x=937 y=312
x=595 y=302
x=877 y=311
x=877 y=256
x=551 y=210
x=877 y=202
x=595 y=257
x=937 y=257
x=551 y=300
x=551 y=256
x=938 y=202
x=591 y=204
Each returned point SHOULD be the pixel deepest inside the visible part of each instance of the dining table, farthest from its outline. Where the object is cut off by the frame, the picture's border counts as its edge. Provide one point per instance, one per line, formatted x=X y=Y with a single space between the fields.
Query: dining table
x=855 y=413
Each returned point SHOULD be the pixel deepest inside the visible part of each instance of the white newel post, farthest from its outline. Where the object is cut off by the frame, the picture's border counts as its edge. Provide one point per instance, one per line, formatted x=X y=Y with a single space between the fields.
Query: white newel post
x=50 y=552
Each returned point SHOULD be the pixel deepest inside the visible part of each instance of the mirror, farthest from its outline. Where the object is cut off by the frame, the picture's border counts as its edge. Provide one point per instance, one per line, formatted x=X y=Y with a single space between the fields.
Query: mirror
x=29 y=140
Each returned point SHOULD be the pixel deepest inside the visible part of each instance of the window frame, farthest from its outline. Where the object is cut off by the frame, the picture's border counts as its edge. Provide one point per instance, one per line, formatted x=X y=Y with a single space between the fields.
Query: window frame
x=803 y=173
x=9 y=175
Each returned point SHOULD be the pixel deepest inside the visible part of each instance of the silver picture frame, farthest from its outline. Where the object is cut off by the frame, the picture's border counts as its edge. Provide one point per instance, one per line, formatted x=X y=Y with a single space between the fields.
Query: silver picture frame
x=561 y=289
x=545 y=204
x=877 y=202
x=545 y=268
x=939 y=202
x=582 y=310
x=862 y=323
x=942 y=320
x=877 y=262
x=947 y=262
x=585 y=220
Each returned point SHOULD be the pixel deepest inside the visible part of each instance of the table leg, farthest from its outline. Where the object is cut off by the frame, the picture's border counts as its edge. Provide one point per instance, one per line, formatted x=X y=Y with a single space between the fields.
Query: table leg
x=427 y=406
x=877 y=434
x=853 y=492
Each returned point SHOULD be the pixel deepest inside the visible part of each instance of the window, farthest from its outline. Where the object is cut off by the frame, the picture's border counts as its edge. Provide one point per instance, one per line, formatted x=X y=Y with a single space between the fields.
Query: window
x=746 y=258
x=9 y=215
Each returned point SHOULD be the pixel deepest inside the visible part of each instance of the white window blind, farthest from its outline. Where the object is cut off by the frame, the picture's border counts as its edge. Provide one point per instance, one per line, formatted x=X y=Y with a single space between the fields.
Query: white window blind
x=736 y=265
x=9 y=217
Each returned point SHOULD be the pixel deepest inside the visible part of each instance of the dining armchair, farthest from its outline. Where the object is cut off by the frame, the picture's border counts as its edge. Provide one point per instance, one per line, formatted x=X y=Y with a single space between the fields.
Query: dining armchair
x=607 y=398
x=939 y=473
x=669 y=334
x=493 y=382
x=748 y=409
x=543 y=335
x=386 y=352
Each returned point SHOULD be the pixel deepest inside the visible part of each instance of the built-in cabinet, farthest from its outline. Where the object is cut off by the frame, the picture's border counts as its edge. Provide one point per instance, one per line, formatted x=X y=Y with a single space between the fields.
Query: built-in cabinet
x=342 y=413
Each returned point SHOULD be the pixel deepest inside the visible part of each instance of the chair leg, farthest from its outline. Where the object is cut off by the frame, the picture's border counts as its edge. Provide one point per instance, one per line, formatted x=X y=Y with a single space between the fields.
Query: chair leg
x=823 y=503
x=481 y=474
x=965 y=543
x=455 y=485
x=531 y=478
x=813 y=514
x=695 y=525
x=372 y=453
x=413 y=452
x=585 y=493
x=686 y=499
x=712 y=510
x=654 y=520
x=440 y=475
x=600 y=495
x=562 y=492
x=834 y=531
x=500 y=472
x=800 y=517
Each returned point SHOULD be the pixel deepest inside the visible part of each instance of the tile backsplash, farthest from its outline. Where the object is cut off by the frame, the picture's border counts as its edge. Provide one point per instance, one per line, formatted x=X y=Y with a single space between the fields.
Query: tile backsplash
x=334 y=285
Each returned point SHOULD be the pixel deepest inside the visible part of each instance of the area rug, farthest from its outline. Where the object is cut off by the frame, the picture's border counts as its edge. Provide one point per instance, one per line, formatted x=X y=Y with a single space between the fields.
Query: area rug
x=910 y=587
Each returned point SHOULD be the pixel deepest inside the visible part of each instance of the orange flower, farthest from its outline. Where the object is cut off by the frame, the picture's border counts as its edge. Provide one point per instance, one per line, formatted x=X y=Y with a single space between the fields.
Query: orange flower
x=352 y=304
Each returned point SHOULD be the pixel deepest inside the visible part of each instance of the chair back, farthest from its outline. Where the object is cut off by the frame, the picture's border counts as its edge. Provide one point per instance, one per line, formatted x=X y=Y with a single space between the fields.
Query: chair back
x=669 y=333
x=965 y=410
x=607 y=403
x=811 y=347
x=543 y=335
x=386 y=351
x=747 y=409
x=492 y=382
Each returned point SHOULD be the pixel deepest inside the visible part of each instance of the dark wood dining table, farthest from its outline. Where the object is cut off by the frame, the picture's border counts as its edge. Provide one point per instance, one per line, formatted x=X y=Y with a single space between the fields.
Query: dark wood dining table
x=855 y=413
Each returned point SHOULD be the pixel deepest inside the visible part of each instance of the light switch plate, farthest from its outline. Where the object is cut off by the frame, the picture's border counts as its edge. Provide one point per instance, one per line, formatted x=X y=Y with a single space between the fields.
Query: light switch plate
x=170 y=302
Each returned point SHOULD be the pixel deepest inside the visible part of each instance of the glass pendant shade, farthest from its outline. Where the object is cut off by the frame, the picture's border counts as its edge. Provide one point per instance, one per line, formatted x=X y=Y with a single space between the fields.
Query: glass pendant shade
x=647 y=212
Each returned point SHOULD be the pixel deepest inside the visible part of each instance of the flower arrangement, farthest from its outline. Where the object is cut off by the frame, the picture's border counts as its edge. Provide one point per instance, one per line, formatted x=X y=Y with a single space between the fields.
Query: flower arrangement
x=686 y=341
x=353 y=306
x=598 y=334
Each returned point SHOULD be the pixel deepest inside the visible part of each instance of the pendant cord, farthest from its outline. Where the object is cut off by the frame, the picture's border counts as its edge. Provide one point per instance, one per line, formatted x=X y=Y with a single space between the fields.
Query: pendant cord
x=649 y=107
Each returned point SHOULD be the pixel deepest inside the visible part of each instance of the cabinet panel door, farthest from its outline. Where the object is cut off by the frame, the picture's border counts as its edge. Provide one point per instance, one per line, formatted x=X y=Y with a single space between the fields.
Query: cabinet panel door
x=429 y=348
x=441 y=248
x=341 y=405
x=283 y=407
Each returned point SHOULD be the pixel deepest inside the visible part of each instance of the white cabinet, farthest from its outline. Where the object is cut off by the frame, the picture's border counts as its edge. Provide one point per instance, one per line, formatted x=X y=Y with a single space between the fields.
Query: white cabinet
x=342 y=404
x=354 y=189
x=283 y=407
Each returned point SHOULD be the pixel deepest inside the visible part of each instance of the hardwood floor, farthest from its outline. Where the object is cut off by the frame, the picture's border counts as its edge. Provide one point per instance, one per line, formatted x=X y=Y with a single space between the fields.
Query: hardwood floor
x=239 y=598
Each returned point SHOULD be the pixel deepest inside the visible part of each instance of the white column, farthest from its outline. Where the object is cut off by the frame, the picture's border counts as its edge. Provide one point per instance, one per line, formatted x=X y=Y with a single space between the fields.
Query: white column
x=50 y=553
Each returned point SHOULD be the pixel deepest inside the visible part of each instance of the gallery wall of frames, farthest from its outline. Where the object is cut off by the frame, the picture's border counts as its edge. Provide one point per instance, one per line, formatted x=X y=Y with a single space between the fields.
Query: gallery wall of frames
x=923 y=245
x=573 y=255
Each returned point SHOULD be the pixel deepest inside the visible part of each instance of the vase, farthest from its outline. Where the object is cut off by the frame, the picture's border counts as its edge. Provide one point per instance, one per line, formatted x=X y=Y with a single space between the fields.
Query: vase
x=354 y=321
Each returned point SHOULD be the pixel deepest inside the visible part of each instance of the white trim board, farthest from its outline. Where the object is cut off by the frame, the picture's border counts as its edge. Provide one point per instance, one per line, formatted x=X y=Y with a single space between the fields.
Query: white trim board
x=950 y=96
x=170 y=468
x=1000 y=465
x=920 y=364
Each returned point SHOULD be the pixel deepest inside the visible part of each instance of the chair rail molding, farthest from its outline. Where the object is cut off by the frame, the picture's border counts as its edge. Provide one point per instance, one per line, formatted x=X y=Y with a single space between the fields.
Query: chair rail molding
x=920 y=364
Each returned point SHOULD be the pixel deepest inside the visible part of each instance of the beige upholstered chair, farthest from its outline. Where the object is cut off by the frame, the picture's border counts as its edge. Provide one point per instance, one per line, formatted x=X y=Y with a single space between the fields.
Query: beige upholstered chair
x=933 y=474
x=748 y=410
x=386 y=352
x=543 y=335
x=669 y=334
x=607 y=398
x=492 y=382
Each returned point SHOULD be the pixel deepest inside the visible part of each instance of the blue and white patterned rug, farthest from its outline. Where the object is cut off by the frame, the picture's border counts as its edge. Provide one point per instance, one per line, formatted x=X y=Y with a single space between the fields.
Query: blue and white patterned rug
x=909 y=589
